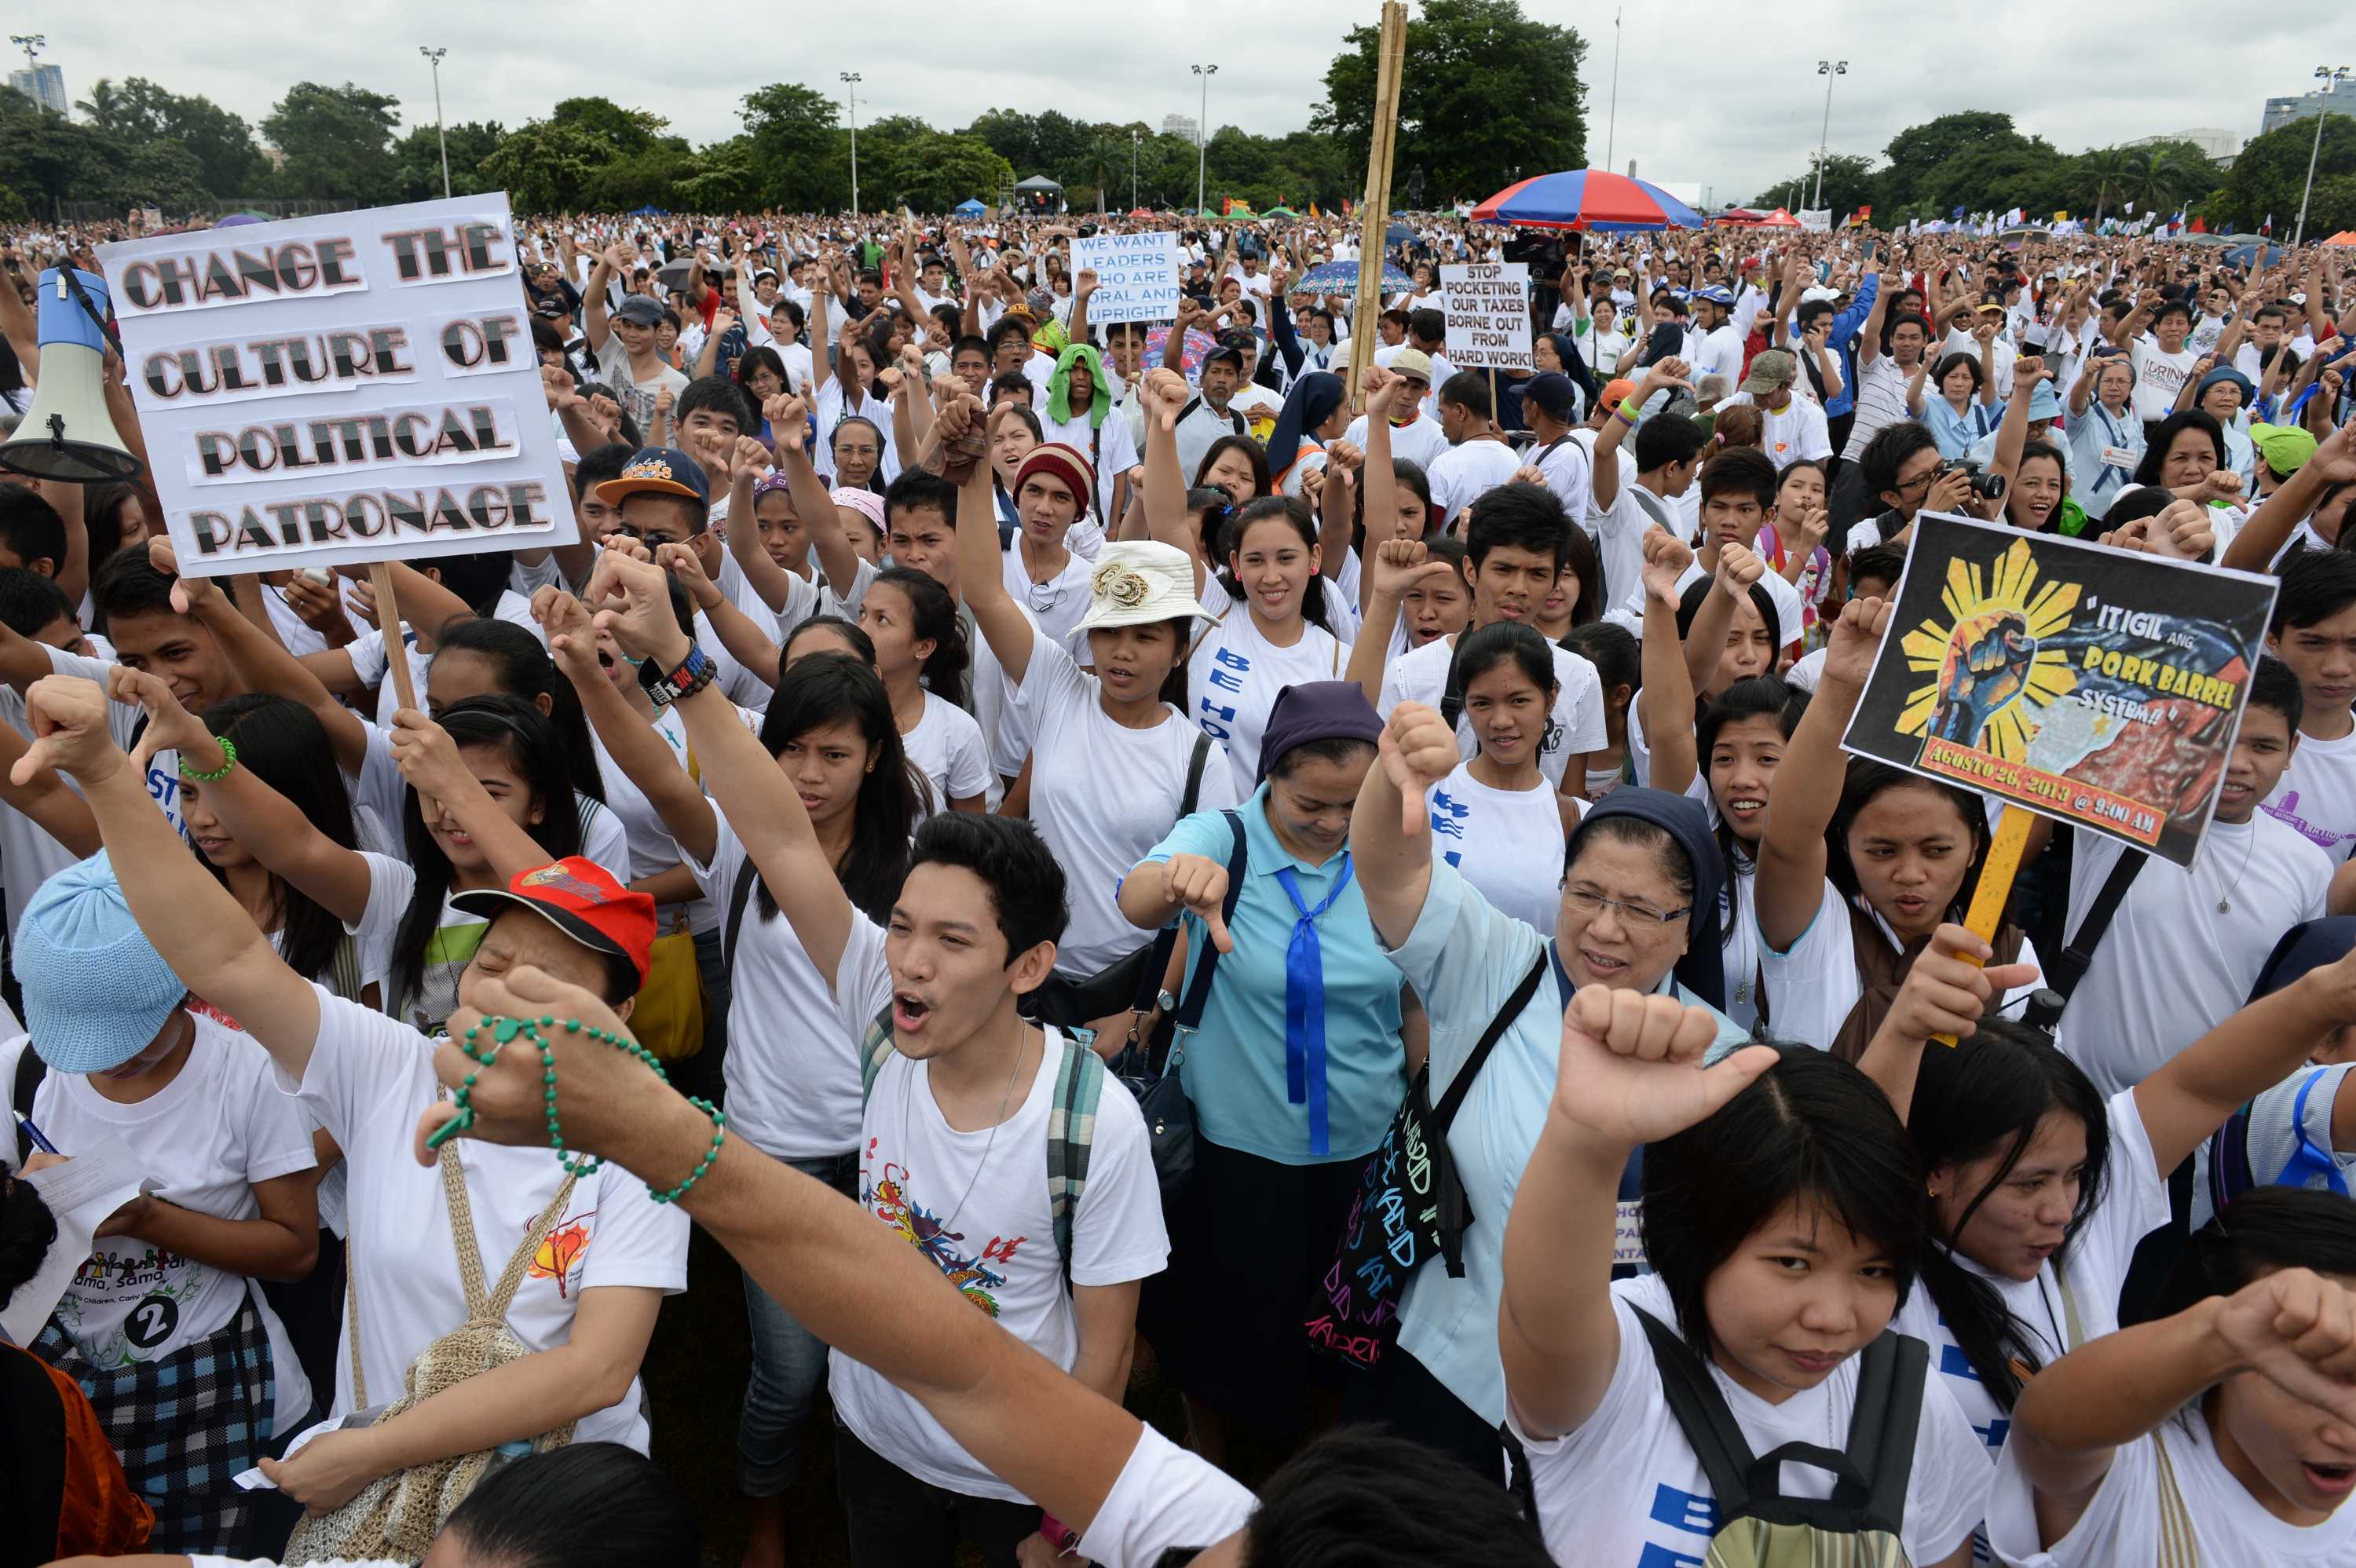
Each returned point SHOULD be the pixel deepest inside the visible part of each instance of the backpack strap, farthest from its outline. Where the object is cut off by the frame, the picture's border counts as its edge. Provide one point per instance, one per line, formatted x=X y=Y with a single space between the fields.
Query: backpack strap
x=874 y=1051
x=2062 y=976
x=1452 y=695
x=1148 y=980
x=30 y=1070
x=2180 y=1547
x=1199 y=987
x=1702 y=1414
x=344 y=970
x=740 y=892
x=1071 y=1138
x=1454 y=1210
x=2229 y=1160
x=1192 y=794
x=1883 y=1428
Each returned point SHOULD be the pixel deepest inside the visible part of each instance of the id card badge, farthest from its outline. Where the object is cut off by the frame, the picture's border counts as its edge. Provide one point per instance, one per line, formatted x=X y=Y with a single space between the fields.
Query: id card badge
x=2118 y=457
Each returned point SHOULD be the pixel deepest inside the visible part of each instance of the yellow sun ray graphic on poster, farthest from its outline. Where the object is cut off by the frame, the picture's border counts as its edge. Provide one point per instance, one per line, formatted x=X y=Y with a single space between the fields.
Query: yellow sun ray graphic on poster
x=1985 y=676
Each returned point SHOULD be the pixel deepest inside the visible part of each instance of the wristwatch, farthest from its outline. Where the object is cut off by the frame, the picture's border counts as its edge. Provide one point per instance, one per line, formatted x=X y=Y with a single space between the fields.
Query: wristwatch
x=691 y=675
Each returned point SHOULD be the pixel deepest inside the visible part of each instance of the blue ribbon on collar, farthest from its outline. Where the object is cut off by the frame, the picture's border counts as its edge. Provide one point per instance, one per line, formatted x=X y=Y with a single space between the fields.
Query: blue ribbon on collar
x=1304 y=1007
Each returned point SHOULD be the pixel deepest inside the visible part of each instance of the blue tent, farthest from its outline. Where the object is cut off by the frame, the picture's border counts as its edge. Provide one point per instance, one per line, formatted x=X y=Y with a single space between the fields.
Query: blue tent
x=650 y=212
x=970 y=207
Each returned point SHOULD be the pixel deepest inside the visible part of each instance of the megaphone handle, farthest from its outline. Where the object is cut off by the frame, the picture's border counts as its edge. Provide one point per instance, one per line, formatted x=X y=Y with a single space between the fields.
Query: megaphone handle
x=69 y=283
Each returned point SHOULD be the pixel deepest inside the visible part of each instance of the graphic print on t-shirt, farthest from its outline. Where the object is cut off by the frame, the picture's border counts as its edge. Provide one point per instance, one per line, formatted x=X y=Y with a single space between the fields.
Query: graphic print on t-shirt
x=2286 y=810
x=887 y=1197
x=564 y=1254
x=1447 y=816
x=158 y=1279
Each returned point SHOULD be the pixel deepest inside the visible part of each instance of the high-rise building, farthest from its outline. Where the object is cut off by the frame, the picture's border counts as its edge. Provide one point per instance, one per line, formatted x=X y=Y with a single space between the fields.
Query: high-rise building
x=2220 y=146
x=1178 y=125
x=2282 y=112
x=45 y=85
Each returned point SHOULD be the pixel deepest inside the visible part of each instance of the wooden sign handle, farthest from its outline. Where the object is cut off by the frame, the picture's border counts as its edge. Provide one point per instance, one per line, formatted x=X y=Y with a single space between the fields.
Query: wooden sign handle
x=1995 y=889
x=396 y=658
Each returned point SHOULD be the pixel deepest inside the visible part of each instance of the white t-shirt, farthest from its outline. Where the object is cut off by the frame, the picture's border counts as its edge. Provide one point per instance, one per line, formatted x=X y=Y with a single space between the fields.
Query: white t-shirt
x=997 y=1241
x=1166 y=1499
x=1234 y=675
x=203 y=1140
x=28 y=856
x=1619 y=532
x=652 y=849
x=1794 y=432
x=1720 y=354
x=1814 y=984
x=123 y=721
x=1627 y=1489
x=2158 y=378
x=1102 y=796
x=1577 y=722
x=792 y=1071
x=1055 y=604
x=1108 y=447
x=2173 y=965
x=2301 y=1106
x=2317 y=794
x=1500 y=839
x=637 y=397
x=1568 y=466
x=2123 y=1523
x=369 y=1080
x=1460 y=474
x=1421 y=442
x=947 y=747
x=2134 y=1205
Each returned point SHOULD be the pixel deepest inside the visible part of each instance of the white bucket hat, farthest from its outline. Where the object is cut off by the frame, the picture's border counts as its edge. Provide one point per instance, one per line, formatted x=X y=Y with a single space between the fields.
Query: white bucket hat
x=1137 y=583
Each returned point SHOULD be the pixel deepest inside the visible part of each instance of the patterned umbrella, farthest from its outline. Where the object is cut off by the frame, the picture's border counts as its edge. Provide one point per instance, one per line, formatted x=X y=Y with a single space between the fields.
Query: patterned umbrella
x=1190 y=359
x=1594 y=200
x=1342 y=278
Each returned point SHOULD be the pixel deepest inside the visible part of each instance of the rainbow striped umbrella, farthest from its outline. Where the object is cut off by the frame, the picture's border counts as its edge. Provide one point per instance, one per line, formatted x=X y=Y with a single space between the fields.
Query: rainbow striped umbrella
x=1595 y=199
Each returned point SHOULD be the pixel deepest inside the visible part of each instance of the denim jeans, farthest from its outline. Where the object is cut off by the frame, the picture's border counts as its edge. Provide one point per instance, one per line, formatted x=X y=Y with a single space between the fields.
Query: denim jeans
x=788 y=1366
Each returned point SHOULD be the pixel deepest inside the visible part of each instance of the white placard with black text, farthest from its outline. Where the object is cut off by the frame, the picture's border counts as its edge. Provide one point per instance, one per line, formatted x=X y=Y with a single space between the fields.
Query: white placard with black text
x=343 y=389
x=1488 y=308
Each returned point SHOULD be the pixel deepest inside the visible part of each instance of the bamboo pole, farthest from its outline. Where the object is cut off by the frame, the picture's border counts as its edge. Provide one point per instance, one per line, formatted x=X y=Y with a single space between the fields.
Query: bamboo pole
x=1374 y=211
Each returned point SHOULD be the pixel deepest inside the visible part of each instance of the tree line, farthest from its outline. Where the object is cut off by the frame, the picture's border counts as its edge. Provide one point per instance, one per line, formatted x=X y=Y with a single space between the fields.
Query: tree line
x=1980 y=161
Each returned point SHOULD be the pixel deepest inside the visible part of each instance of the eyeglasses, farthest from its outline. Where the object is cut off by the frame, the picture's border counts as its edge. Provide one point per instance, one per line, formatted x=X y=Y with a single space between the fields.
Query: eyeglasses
x=1045 y=596
x=1639 y=916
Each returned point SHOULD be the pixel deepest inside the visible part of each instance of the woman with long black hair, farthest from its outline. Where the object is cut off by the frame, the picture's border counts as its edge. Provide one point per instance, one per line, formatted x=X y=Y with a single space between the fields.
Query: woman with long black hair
x=827 y=784
x=2038 y=1188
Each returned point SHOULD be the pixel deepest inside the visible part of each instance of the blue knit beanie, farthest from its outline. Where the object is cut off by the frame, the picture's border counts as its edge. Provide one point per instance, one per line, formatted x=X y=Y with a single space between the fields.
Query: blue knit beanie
x=96 y=991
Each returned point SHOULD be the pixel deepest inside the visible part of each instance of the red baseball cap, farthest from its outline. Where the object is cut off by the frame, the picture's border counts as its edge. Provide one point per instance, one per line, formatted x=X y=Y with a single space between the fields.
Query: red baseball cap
x=581 y=898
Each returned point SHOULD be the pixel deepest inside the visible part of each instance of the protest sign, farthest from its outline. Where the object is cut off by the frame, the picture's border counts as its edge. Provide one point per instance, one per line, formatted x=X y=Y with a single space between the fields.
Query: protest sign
x=1487 y=305
x=1137 y=275
x=1816 y=220
x=354 y=387
x=2098 y=686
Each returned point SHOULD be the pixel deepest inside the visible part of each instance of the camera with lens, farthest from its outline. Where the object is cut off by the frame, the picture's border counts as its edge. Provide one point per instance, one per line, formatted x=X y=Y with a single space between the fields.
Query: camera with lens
x=1986 y=486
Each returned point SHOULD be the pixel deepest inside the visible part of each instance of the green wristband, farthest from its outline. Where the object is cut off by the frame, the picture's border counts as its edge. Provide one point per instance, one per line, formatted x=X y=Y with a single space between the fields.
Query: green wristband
x=228 y=761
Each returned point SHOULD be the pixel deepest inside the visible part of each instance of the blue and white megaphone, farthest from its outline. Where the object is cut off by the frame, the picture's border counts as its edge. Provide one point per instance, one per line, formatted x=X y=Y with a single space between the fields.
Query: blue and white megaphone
x=67 y=433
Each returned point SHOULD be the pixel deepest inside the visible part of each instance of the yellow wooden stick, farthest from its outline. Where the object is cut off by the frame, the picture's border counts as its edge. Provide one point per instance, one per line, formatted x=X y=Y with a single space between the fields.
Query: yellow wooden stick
x=1995 y=887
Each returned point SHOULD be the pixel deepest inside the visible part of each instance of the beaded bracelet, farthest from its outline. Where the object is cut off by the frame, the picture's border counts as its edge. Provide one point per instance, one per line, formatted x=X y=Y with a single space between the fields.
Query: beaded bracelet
x=504 y=1029
x=228 y=761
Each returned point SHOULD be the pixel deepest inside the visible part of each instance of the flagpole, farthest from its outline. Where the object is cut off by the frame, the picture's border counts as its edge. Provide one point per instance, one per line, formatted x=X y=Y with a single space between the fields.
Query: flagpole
x=1611 y=125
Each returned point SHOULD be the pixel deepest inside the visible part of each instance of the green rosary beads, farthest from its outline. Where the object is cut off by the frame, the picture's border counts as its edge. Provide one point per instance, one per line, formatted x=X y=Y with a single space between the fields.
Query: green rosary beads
x=505 y=1029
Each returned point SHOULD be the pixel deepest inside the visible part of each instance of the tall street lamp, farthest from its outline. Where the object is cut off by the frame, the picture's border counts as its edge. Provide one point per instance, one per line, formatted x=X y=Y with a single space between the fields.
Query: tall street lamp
x=435 y=55
x=1827 y=70
x=1132 y=168
x=2332 y=76
x=1203 y=130
x=851 y=79
x=32 y=44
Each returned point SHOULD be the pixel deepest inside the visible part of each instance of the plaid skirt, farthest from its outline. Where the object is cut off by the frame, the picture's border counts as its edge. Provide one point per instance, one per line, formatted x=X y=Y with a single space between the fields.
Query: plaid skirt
x=185 y=1426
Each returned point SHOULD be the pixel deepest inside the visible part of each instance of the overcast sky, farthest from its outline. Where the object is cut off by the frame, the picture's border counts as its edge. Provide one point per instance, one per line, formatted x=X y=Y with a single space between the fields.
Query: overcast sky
x=1722 y=95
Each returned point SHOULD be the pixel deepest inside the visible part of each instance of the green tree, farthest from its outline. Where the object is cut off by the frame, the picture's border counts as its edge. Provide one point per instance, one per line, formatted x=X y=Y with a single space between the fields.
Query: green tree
x=2268 y=176
x=1486 y=91
x=419 y=157
x=2104 y=179
x=47 y=158
x=647 y=177
x=1918 y=150
x=1106 y=157
x=628 y=132
x=163 y=175
x=1850 y=183
x=338 y=141
x=222 y=144
x=726 y=178
x=543 y=167
x=932 y=172
x=799 y=155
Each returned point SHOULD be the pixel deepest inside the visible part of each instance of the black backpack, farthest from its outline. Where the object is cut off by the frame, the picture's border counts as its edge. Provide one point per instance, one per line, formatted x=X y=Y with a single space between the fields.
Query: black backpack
x=1862 y=1522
